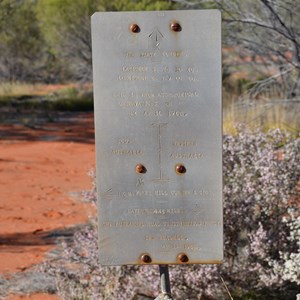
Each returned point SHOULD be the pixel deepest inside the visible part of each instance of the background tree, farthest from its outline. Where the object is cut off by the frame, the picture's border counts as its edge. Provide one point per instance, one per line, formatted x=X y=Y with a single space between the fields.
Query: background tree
x=266 y=34
x=50 y=41
x=23 y=53
x=269 y=32
x=66 y=26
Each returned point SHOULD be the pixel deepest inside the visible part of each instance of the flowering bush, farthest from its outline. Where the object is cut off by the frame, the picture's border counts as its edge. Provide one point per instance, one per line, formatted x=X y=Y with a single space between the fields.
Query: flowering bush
x=261 y=173
x=262 y=235
x=289 y=265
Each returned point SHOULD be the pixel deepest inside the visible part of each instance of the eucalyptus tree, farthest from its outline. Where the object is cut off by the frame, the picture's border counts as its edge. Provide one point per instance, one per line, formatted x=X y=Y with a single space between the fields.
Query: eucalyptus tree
x=66 y=26
x=22 y=49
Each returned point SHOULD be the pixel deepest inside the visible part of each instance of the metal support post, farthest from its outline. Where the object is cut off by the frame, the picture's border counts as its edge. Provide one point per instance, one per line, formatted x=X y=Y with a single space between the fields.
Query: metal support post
x=164 y=283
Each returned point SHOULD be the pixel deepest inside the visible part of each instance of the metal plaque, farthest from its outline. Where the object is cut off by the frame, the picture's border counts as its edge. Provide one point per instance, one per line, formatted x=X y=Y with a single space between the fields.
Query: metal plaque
x=157 y=90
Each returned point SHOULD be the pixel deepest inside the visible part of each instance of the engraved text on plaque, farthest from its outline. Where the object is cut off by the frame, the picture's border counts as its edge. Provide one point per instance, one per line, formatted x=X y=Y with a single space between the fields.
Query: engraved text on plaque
x=157 y=90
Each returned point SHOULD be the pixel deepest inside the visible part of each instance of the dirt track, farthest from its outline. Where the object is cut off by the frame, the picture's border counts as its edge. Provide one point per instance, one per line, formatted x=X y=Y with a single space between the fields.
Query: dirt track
x=43 y=169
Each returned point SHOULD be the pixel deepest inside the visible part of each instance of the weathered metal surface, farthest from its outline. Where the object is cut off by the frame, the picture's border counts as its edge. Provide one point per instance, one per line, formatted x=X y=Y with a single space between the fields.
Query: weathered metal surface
x=157 y=90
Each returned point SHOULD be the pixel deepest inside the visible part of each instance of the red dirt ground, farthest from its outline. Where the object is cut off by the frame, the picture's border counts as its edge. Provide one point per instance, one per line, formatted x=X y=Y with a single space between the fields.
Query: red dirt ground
x=42 y=172
x=34 y=297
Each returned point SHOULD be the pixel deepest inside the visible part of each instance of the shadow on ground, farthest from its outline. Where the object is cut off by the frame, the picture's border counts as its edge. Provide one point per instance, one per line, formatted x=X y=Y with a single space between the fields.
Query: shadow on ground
x=45 y=126
x=36 y=238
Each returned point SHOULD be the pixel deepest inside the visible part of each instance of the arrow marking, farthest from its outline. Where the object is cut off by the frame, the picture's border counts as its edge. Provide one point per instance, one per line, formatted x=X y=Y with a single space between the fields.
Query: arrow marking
x=156 y=36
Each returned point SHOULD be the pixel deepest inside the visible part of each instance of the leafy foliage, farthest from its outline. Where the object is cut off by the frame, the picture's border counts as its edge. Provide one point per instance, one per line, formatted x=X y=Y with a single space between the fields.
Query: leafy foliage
x=262 y=228
x=50 y=40
x=66 y=26
x=22 y=50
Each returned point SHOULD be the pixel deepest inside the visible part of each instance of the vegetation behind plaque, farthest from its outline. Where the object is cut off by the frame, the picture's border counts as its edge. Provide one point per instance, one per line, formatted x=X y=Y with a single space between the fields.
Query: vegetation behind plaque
x=23 y=97
x=49 y=42
x=262 y=234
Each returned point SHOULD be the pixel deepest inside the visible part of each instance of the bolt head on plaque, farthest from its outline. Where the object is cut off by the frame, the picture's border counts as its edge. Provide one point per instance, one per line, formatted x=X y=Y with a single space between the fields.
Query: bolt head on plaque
x=180 y=169
x=183 y=258
x=146 y=258
x=135 y=28
x=141 y=169
x=176 y=27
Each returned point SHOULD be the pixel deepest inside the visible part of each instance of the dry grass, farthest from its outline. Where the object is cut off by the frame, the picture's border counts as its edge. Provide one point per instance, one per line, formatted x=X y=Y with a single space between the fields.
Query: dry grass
x=20 y=89
x=12 y=89
x=265 y=115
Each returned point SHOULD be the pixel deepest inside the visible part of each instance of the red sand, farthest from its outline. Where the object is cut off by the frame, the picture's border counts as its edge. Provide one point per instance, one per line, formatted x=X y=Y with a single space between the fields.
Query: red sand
x=34 y=297
x=39 y=183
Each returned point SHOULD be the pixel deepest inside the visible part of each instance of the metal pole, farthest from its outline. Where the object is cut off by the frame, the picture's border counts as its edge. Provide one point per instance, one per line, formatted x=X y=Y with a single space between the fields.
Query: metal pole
x=164 y=283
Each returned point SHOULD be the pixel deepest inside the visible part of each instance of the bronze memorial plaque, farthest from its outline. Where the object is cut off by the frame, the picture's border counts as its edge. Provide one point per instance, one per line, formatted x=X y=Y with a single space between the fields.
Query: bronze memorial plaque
x=157 y=90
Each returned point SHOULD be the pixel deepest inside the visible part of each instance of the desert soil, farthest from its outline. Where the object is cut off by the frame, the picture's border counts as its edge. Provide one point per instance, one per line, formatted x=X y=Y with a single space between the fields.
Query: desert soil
x=43 y=170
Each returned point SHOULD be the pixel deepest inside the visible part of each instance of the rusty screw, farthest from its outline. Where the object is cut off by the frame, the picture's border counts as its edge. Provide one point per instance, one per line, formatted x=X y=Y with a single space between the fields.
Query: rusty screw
x=182 y=257
x=180 y=169
x=176 y=27
x=141 y=169
x=135 y=28
x=145 y=258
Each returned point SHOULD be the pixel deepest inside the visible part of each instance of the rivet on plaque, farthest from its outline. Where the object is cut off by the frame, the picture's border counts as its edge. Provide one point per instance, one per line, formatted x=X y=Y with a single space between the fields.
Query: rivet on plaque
x=176 y=27
x=146 y=258
x=180 y=169
x=135 y=28
x=182 y=257
x=141 y=169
